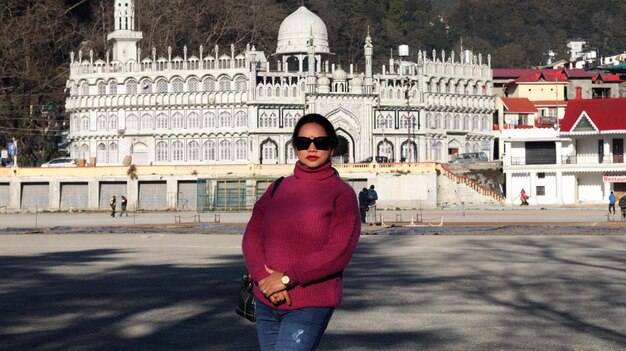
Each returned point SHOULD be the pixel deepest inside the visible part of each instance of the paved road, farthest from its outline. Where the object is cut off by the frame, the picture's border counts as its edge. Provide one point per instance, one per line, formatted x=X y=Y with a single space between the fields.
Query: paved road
x=554 y=216
x=403 y=292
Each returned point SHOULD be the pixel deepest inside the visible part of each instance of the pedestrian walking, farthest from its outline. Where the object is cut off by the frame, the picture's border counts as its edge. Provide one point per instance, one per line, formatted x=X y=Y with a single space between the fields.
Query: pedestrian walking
x=612 y=203
x=622 y=206
x=113 y=204
x=524 y=197
x=123 y=203
x=372 y=196
x=298 y=242
x=363 y=204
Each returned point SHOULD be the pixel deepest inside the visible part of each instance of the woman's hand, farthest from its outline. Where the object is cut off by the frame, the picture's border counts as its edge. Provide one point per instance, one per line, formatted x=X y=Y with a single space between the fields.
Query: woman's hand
x=280 y=297
x=272 y=284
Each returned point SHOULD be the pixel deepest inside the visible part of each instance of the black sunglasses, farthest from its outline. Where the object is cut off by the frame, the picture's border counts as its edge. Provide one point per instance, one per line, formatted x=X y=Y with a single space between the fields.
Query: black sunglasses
x=303 y=143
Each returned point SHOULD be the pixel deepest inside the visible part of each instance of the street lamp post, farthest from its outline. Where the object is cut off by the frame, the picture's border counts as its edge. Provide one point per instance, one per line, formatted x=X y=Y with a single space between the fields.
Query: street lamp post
x=408 y=85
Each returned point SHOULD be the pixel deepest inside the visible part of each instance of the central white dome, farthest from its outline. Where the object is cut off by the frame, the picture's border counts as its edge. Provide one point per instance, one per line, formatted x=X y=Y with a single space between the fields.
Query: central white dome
x=294 y=33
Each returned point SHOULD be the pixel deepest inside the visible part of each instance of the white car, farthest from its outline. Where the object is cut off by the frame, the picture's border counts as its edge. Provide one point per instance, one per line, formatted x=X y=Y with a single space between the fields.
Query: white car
x=60 y=162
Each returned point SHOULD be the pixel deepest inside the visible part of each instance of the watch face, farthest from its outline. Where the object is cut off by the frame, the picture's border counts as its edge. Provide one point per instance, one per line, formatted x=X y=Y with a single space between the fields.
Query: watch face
x=285 y=279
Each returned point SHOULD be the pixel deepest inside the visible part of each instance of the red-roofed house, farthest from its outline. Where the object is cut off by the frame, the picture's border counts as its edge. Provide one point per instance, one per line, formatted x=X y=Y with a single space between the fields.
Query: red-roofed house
x=580 y=163
x=518 y=113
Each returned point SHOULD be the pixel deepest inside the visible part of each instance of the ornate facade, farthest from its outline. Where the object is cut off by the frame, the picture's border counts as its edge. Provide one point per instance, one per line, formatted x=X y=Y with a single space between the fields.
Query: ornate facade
x=236 y=106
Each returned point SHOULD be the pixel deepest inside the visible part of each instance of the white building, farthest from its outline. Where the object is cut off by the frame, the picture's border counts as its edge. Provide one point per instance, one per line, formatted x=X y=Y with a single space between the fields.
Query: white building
x=580 y=163
x=240 y=106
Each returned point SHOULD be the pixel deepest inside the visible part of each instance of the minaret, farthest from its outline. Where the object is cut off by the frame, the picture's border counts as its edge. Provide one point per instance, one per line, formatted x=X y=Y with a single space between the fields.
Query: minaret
x=124 y=39
x=369 y=52
x=310 y=77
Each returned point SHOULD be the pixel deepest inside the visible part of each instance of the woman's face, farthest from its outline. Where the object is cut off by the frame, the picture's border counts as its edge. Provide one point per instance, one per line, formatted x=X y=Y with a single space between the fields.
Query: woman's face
x=313 y=157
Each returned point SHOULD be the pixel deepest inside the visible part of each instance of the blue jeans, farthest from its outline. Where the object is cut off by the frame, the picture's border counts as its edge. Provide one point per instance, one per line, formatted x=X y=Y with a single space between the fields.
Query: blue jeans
x=296 y=330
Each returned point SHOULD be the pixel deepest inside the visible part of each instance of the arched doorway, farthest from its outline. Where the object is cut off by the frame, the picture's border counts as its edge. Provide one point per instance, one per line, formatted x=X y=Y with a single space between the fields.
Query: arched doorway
x=342 y=152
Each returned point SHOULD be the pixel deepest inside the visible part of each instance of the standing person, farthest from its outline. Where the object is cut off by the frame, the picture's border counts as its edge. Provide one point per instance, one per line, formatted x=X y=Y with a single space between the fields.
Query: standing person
x=622 y=206
x=373 y=196
x=363 y=203
x=113 y=204
x=298 y=242
x=124 y=203
x=612 y=203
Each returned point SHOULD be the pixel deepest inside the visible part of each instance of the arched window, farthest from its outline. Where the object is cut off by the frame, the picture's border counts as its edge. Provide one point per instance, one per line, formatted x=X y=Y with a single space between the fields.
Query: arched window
x=404 y=121
x=177 y=85
x=84 y=89
x=269 y=91
x=264 y=120
x=146 y=86
x=146 y=122
x=224 y=84
x=113 y=87
x=260 y=90
x=468 y=147
x=178 y=151
x=273 y=120
x=113 y=122
x=241 y=119
x=177 y=121
x=291 y=154
x=192 y=84
x=380 y=121
x=102 y=123
x=405 y=152
x=75 y=123
x=193 y=152
x=193 y=120
x=131 y=122
x=84 y=152
x=113 y=153
x=131 y=86
x=385 y=148
x=209 y=84
x=241 y=83
x=466 y=122
x=84 y=124
x=485 y=124
x=161 y=86
x=438 y=121
x=209 y=120
x=475 y=123
x=209 y=150
x=437 y=149
x=290 y=121
x=161 y=121
x=447 y=122
x=161 y=151
x=388 y=121
x=101 y=153
x=430 y=121
x=476 y=148
x=75 y=151
x=102 y=88
x=240 y=150
x=225 y=120
x=225 y=154
x=457 y=122
x=269 y=151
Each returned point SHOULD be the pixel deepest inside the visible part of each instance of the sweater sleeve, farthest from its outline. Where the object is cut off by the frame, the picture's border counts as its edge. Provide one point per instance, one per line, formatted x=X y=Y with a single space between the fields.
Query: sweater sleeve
x=253 y=239
x=333 y=257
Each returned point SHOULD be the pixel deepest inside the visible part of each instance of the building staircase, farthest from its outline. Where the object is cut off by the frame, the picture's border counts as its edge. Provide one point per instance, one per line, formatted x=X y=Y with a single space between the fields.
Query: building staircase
x=454 y=190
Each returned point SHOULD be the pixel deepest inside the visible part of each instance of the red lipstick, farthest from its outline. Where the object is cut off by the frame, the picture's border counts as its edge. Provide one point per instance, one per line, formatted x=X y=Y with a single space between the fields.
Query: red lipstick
x=312 y=157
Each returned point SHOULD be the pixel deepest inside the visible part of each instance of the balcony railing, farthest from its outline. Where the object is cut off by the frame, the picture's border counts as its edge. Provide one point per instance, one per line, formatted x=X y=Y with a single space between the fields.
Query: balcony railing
x=576 y=160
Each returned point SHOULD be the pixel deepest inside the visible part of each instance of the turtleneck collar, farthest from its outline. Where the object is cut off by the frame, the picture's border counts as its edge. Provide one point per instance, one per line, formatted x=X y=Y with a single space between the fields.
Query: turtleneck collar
x=321 y=173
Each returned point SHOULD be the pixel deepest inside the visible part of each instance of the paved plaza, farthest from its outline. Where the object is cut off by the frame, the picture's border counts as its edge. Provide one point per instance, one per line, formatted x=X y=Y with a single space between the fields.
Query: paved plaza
x=159 y=291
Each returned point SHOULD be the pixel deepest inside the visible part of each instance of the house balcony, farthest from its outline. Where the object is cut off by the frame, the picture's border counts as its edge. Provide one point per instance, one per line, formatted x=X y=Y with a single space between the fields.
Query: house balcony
x=580 y=160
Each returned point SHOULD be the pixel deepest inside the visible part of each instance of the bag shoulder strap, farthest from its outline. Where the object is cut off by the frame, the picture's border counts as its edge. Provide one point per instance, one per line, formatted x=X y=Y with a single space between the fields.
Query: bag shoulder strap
x=276 y=184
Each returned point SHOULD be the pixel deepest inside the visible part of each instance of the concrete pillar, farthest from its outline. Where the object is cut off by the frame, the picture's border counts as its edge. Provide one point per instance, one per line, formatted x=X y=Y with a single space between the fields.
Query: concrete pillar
x=559 y=146
x=15 y=194
x=54 y=195
x=172 y=191
x=93 y=194
x=132 y=189
x=559 y=188
x=509 y=188
x=532 y=192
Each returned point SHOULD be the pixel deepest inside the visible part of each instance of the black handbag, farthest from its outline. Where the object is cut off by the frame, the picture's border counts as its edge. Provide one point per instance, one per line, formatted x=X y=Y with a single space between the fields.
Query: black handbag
x=247 y=304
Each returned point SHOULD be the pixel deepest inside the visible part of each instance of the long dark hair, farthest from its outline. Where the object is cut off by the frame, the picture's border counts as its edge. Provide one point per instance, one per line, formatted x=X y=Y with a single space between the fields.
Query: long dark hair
x=322 y=121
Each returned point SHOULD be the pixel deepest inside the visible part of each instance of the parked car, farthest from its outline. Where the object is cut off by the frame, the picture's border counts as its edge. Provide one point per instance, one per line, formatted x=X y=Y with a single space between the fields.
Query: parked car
x=60 y=162
x=379 y=159
x=471 y=157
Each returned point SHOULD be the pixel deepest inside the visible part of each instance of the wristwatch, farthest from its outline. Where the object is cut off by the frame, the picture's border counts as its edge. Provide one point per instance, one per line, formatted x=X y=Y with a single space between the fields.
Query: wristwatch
x=285 y=279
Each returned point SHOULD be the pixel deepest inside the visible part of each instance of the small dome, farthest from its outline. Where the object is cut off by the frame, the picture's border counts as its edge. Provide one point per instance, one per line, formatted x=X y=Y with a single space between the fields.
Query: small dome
x=296 y=29
x=323 y=81
x=340 y=75
x=356 y=82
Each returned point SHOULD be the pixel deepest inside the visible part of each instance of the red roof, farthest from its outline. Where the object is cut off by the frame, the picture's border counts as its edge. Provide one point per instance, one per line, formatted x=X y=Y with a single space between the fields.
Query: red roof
x=546 y=75
x=577 y=73
x=605 y=114
x=518 y=105
x=500 y=73
x=607 y=78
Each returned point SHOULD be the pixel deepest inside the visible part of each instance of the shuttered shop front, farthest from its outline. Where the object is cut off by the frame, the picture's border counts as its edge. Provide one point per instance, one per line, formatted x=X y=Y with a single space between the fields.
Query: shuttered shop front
x=74 y=195
x=187 y=195
x=4 y=194
x=153 y=195
x=108 y=189
x=35 y=195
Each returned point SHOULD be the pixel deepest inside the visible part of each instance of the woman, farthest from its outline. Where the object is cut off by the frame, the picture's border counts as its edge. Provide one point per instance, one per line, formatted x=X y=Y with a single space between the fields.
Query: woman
x=298 y=242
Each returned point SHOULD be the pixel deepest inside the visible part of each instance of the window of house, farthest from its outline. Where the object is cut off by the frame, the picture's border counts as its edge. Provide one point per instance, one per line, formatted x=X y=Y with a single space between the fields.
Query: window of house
x=541 y=175
x=541 y=190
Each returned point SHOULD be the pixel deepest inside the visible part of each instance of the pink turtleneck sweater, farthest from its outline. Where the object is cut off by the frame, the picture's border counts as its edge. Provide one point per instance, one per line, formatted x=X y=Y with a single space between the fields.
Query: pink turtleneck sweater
x=308 y=229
